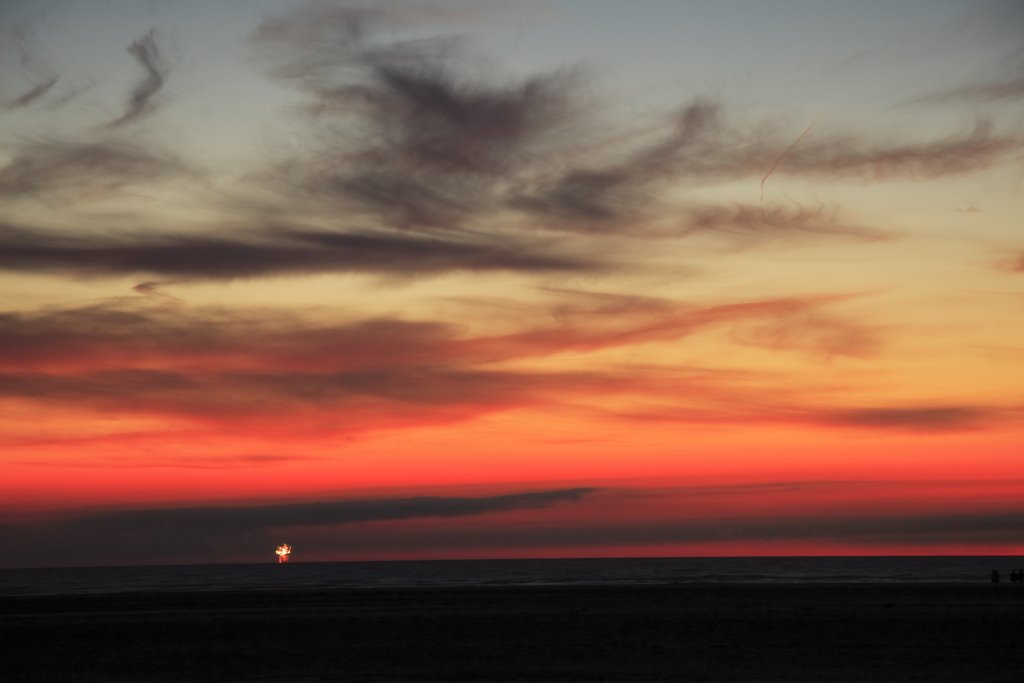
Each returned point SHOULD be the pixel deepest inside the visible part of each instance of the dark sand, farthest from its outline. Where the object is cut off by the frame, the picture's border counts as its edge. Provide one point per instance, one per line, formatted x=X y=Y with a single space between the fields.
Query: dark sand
x=660 y=633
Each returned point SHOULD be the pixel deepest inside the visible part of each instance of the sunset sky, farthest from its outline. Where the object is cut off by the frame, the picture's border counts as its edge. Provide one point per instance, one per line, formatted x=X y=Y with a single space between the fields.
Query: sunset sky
x=548 y=278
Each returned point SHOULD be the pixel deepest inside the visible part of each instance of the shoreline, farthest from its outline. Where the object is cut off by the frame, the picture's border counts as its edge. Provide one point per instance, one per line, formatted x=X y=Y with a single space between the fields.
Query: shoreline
x=809 y=631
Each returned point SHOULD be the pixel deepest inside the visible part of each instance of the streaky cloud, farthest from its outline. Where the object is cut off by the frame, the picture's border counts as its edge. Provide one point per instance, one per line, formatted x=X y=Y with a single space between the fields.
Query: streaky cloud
x=977 y=149
x=916 y=418
x=928 y=418
x=141 y=100
x=237 y=519
x=143 y=333
x=45 y=169
x=749 y=222
x=34 y=93
x=215 y=367
x=226 y=532
x=271 y=252
x=984 y=93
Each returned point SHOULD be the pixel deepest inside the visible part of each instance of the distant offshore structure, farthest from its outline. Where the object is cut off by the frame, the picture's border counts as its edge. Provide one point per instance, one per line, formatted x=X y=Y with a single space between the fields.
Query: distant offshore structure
x=284 y=551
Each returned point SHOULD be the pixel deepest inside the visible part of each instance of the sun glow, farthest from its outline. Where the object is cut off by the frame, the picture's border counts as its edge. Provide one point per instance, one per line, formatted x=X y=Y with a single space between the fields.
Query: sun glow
x=284 y=551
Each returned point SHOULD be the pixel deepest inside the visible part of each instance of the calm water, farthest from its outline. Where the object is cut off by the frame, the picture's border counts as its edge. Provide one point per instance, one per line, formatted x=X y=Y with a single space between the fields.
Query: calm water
x=370 y=575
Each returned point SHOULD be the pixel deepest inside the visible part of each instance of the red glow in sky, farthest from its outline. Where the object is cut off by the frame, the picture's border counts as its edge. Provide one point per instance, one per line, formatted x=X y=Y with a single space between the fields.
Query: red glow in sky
x=329 y=274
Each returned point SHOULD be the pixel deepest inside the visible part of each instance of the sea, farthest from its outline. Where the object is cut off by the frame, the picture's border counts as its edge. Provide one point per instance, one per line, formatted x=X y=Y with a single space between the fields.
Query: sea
x=316 y=576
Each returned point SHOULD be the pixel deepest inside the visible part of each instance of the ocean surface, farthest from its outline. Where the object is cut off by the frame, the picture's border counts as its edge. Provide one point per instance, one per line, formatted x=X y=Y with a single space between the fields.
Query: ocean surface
x=475 y=573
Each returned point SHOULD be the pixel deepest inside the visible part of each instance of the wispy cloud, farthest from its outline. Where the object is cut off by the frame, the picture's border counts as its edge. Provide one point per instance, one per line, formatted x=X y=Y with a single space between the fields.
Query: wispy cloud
x=213 y=366
x=47 y=169
x=142 y=99
x=820 y=334
x=138 y=335
x=826 y=530
x=33 y=93
x=232 y=532
x=915 y=418
x=749 y=222
x=32 y=65
x=985 y=93
x=272 y=252
x=415 y=135
x=976 y=149
x=754 y=408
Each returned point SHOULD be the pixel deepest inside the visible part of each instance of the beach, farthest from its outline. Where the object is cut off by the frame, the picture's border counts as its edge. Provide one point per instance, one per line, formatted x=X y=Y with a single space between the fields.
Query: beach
x=686 y=632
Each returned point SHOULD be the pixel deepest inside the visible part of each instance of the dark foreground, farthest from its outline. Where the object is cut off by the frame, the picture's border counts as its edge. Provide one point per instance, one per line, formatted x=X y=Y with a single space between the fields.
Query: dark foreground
x=660 y=633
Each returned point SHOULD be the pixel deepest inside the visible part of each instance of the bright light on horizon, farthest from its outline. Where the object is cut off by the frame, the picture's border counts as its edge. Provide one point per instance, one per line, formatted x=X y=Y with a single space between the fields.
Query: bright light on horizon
x=284 y=551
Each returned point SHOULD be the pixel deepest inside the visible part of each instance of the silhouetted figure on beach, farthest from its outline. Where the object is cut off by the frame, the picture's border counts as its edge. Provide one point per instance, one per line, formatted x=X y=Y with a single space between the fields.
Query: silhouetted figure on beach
x=1017 y=576
x=995 y=576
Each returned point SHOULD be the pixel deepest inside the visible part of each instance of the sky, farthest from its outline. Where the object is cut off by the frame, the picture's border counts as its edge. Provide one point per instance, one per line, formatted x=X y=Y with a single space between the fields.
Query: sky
x=550 y=278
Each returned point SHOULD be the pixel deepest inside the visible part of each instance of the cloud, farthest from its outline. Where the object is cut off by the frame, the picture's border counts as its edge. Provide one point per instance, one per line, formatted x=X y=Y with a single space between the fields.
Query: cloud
x=36 y=69
x=976 y=149
x=220 y=367
x=1018 y=264
x=350 y=401
x=46 y=169
x=33 y=93
x=225 y=533
x=271 y=252
x=407 y=134
x=828 y=514
x=703 y=147
x=749 y=222
x=125 y=334
x=914 y=418
x=822 y=335
x=753 y=408
x=140 y=101
x=983 y=93
x=596 y=195
x=413 y=132
x=826 y=529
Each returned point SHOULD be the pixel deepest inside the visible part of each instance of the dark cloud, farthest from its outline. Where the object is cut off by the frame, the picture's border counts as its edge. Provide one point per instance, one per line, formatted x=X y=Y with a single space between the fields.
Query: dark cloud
x=869 y=513
x=33 y=93
x=746 y=408
x=141 y=102
x=427 y=120
x=918 y=418
x=211 y=533
x=608 y=196
x=49 y=168
x=138 y=334
x=329 y=402
x=18 y=36
x=406 y=134
x=703 y=147
x=217 y=367
x=429 y=146
x=749 y=222
x=271 y=253
x=976 y=149
x=235 y=520
x=825 y=528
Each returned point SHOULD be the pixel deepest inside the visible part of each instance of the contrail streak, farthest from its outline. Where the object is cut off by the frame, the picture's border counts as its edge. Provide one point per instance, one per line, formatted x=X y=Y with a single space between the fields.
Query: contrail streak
x=807 y=131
